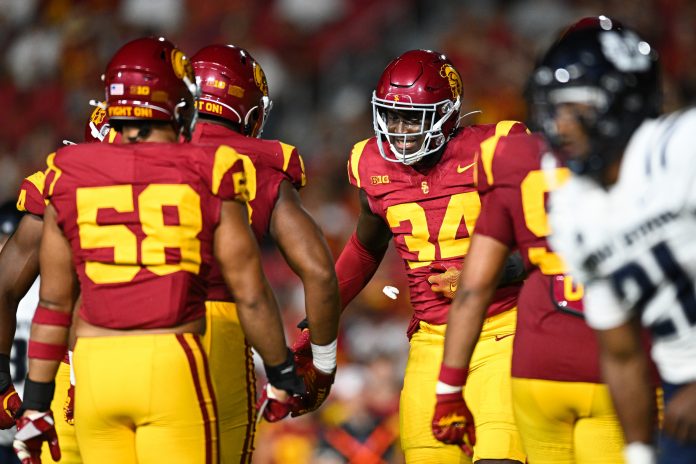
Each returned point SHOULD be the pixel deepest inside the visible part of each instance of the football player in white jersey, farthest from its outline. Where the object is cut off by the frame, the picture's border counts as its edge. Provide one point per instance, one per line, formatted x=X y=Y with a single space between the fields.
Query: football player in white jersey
x=625 y=222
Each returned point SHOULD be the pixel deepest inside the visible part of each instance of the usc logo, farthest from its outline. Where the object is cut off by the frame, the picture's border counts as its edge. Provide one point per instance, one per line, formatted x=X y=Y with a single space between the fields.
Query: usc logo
x=181 y=65
x=260 y=79
x=455 y=81
x=98 y=115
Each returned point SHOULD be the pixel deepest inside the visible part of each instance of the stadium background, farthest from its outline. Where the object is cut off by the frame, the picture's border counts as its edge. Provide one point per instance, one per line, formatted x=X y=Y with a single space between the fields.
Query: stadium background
x=322 y=59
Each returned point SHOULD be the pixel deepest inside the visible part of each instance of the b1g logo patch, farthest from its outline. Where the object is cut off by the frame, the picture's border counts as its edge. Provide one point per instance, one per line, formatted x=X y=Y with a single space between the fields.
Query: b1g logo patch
x=455 y=81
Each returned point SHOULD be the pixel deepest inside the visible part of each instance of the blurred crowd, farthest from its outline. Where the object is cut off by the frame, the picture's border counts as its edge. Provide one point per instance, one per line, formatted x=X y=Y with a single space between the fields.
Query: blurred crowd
x=322 y=59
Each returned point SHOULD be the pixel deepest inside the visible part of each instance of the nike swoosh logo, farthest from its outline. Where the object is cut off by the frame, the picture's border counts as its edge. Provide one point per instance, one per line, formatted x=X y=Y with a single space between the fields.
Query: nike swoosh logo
x=462 y=169
x=500 y=337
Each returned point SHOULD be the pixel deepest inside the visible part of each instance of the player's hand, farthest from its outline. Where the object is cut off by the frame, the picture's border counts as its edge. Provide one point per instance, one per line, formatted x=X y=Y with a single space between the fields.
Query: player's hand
x=302 y=349
x=69 y=406
x=453 y=423
x=680 y=415
x=274 y=405
x=445 y=279
x=282 y=392
x=33 y=429
x=10 y=405
x=318 y=385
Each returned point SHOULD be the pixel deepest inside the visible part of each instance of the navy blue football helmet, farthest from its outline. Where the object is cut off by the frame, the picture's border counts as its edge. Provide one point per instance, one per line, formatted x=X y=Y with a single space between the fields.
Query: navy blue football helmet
x=596 y=62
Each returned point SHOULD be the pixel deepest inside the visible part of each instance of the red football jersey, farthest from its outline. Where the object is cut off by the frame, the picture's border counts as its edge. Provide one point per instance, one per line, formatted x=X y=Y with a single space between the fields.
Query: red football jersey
x=30 y=198
x=552 y=342
x=432 y=215
x=140 y=221
x=266 y=164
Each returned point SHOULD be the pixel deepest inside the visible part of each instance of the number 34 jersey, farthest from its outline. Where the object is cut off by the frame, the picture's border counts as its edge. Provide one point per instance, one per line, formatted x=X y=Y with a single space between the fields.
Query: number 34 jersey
x=432 y=214
x=140 y=221
x=633 y=244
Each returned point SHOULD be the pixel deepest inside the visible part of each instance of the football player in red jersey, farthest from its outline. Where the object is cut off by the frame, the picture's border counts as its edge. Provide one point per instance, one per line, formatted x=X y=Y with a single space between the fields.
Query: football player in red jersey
x=416 y=187
x=138 y=226
x=233 y=108
x=19 y=268
x=562 y=409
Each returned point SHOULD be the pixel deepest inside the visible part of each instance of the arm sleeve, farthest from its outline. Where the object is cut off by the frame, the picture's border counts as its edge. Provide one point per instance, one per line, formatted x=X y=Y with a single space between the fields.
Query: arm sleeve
x=354 y=268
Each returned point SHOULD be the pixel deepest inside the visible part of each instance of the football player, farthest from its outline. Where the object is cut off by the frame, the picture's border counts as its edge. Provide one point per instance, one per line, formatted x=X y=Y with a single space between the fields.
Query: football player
x=233 y=108
x=19 y=270
x=624 y=222
x=415 y=179
x=136 y=226
x=563 y=410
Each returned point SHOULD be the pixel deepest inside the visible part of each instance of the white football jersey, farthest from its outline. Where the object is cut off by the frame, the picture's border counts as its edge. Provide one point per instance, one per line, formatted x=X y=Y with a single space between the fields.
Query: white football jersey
x=634 y=245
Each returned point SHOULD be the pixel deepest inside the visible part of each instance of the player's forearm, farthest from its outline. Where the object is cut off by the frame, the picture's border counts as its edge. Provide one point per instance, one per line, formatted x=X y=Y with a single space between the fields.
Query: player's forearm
x=47 y=347
x=8 y=325
x=632 y=393
x=323 y=308
x=262 y=325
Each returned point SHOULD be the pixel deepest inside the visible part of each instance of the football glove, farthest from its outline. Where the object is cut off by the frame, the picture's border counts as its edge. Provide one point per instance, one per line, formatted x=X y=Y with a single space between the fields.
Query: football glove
x=273 y=409
x=32 y=431
x=302 y=349
x=69 y=406
x=281 y=377
x=453 y=423
x=9 y=397
x=446 y=279
x=318 y=385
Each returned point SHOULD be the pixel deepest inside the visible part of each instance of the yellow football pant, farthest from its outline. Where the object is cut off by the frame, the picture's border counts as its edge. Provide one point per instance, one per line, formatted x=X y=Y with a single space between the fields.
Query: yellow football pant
x=70 y=454
x=144 y=399
x=487 y=394
x=234 y=382
x=567 y=422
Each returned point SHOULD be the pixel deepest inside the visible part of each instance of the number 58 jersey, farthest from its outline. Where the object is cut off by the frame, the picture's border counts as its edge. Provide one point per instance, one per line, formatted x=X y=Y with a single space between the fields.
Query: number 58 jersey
x=633 y=244
x=140 y=221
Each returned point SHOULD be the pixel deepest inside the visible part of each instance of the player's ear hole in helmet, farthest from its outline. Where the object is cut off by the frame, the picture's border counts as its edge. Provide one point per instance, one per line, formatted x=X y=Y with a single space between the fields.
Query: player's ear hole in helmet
x=234 y=90
x=150 y=79
x=607 y=78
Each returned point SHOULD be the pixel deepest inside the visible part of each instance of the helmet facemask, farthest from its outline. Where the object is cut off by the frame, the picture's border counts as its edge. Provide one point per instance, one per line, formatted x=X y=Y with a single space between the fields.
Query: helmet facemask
x=430 y=118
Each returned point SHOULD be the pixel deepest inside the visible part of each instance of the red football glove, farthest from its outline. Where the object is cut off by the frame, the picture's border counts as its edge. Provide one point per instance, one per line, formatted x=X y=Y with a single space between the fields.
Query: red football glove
x=69 y=406
x=302 y=353
x=10 y=405
x=271 y=408
x=32 y=431
x=446 y=279
x=318 y=385
x=453 y=423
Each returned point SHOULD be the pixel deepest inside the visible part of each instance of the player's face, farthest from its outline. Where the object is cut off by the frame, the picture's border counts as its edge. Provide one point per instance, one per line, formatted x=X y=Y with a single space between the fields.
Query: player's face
x=406 y=122
x=573 y=138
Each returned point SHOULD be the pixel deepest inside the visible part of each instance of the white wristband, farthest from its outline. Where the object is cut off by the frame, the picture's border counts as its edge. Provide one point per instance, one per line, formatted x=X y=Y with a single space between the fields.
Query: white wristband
x=72 y=371
x=639 y=453
x=442 y=388
x=324 y=356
